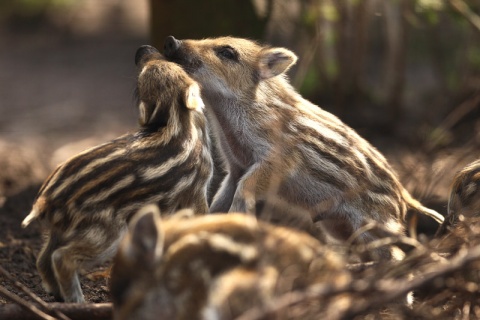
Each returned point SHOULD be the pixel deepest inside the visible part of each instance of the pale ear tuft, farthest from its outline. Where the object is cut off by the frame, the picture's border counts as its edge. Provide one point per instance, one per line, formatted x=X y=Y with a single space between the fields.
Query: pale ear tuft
x=145 y=237
x=275 y=61
x=193 y=100
x=144 y=116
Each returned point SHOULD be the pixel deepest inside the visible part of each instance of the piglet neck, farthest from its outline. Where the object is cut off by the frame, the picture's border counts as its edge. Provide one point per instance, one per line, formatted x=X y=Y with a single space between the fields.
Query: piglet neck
x=171 y=123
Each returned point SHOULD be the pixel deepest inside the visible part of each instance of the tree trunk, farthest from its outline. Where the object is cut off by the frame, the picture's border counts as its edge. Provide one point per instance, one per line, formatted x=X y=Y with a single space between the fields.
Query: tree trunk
x=396 y=38
x=202 y=19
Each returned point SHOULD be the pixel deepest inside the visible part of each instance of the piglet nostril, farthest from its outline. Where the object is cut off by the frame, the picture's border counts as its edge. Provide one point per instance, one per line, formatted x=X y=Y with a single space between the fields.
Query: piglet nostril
x=171 y=46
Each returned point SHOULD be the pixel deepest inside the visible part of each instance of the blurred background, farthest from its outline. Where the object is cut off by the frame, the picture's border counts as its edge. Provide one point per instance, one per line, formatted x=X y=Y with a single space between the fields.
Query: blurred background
x=404 y=73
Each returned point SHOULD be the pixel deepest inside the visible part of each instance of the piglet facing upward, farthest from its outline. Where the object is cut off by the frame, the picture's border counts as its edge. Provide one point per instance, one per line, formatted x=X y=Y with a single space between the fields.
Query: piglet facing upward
x=86 y=202
x=214 y=266
x=276 y=144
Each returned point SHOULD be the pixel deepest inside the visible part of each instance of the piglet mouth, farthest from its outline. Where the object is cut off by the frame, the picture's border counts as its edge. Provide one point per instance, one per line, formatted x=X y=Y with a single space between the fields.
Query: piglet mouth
x=176 y=51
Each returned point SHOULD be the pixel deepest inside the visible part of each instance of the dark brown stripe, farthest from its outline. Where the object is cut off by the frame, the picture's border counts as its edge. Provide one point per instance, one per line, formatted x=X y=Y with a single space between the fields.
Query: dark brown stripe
x=133 y=160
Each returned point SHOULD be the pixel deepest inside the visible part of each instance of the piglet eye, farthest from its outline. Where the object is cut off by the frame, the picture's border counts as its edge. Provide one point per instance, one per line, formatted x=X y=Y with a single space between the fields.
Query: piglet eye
x=227 y=52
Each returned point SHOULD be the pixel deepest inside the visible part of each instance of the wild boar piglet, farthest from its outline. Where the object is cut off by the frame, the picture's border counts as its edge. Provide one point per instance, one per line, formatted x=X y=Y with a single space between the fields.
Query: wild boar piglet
x=86 y=203
x=284 y=153
x=464 y=198
x=214 y=266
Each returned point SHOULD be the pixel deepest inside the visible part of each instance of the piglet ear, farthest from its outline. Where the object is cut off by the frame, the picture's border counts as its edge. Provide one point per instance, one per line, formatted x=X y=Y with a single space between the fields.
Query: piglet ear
x=193 y=100
x=275 y=61
x=144 y=52
x=145 y=238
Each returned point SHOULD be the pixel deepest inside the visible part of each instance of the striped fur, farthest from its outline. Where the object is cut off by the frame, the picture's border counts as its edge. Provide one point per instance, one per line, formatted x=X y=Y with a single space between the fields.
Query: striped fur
x=87 y=202
x=276 y=143
x=214 y=266
x=464 y=198
x=465 y=193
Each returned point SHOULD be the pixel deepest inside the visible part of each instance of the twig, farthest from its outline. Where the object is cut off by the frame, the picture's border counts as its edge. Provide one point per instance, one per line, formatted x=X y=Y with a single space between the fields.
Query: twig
x=293 y=298
x=452 y=119
x=388 y=241
x=401 y=288
x=465 y=10
x=382 y=242
x=460 y=112
x=367 y=227
x=32 y=295
x=24 y=304
x=385 y=290
x=80 y=311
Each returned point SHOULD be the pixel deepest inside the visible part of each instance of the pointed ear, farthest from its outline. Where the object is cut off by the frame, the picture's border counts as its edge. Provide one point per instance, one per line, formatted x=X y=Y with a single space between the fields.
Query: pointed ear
x=146 y=238
x=275 y=61
x=193 y=100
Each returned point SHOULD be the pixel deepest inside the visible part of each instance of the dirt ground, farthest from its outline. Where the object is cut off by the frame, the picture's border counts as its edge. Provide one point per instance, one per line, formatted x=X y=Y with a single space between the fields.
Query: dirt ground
x=58 y=97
